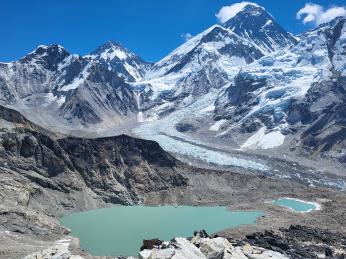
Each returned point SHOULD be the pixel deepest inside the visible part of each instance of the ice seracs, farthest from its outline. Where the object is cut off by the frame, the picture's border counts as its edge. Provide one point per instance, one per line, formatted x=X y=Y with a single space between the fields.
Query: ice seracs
x=207 y=61
x=244 y=83
x=269 y=91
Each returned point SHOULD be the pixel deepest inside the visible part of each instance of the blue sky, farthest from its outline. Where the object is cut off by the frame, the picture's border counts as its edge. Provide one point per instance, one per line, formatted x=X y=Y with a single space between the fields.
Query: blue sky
x=151 y=28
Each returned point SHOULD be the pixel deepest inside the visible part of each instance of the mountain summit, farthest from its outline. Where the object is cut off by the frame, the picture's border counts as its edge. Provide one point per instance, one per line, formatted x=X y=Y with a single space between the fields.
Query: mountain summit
x=255 y=24
x=120 y=60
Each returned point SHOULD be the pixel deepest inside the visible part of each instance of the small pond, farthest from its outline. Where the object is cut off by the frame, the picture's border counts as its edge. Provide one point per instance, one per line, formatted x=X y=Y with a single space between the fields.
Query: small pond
x=296 y=204
x=120 y=230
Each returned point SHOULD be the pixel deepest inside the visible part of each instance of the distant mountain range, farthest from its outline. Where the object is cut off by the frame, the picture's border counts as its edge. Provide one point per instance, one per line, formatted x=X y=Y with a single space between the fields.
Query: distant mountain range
x=265 y=88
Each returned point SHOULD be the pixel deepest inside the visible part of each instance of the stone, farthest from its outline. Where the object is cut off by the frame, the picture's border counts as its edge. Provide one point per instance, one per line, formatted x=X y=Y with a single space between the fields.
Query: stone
x=215 y=248
x=328 y=252
x=151 y=243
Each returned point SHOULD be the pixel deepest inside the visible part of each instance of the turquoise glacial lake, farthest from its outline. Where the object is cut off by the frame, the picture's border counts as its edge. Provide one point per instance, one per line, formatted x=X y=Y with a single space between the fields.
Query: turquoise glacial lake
x=296 y=205
x=119 y=231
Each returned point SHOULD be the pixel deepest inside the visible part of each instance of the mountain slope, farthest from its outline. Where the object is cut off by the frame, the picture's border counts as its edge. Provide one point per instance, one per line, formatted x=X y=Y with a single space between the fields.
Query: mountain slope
x=255 y=24
x=43 y=178
x=69 y=91
x=207 y=61
x=119 y=169
x=287 y=92
x=210 y=60
x=251 y=83
x=323 y=108
x=120 y=60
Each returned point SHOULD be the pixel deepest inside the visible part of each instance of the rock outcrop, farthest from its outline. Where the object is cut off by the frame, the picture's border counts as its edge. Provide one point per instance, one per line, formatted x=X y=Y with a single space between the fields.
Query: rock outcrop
x=42 y=177
x=302 y=242
x=295 y=242
x=202 y=246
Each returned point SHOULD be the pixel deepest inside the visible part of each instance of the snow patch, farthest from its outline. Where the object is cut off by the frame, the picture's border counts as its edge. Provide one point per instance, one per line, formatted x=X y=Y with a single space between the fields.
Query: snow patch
x=78 y=80
x=132 y=71
x=209 y=108
x=120 y=54
x=268 y=23
x=50 y=98
x=261 y=140
x=217 y=125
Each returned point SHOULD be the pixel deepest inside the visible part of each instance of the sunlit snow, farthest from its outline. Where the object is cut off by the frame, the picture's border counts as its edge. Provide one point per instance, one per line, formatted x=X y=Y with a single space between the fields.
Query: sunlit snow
x=217 y=125
x=262 y=140
x=163 y=131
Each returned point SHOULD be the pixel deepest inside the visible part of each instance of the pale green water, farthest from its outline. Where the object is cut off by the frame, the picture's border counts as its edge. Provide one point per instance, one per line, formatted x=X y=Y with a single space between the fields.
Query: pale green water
x=296 y=205
x=120 y=230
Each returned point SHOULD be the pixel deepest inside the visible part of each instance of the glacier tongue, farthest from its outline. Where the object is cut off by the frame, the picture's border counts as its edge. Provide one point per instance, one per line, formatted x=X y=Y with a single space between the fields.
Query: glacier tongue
x=247 y=83
x=163 y=131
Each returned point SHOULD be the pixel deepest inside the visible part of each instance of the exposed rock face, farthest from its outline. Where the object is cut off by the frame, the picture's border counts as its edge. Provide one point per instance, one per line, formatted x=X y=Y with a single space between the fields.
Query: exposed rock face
x=118 y=169
x=302 y=242
x=103 y=94
x=66 y=88
x=255 y=24
x=300 y=92
x=11 y=118
x=211 y=59
x=322 y=112
x=120 y=60
x=253 y=76
x=207 y=61
x=42 y=178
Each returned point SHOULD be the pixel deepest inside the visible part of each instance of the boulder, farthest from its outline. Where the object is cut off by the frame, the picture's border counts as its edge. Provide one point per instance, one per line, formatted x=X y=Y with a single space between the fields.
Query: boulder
x=215 y=248
x=151 y=243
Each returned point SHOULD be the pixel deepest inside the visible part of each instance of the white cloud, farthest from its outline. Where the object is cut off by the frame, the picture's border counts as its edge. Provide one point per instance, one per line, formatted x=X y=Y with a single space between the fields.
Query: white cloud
x=228 y=12
x=186 y=36
x=317 y=14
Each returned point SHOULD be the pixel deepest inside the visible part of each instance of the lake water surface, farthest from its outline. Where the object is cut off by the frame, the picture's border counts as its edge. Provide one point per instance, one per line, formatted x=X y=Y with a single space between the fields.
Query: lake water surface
x=297 y=205
x=120 y=230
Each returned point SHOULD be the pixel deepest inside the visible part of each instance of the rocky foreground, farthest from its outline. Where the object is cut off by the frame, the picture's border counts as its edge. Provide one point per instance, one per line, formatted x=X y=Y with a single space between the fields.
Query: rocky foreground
x=202 y=246
x=295 y=242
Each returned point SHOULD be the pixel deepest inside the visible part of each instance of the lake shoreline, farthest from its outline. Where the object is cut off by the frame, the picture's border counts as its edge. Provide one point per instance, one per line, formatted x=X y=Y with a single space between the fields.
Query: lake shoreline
x=238 y=192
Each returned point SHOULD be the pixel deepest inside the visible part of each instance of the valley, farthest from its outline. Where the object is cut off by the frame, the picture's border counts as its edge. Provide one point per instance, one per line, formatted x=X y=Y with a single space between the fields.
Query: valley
x=44 y=178
x=240 y=115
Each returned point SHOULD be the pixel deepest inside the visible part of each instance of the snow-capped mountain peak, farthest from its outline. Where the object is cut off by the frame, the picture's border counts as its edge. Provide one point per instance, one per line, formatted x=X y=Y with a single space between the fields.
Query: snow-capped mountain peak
x=111 y=50
x=255 y=24
x=201 y=65
x=120 y=60
x=48 y=56
x=214 y=39
x=228 y=12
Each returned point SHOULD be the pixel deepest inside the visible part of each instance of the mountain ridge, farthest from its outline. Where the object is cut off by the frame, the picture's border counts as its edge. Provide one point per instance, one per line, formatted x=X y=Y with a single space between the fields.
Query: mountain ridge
x=255 y=24
x=91 y=92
